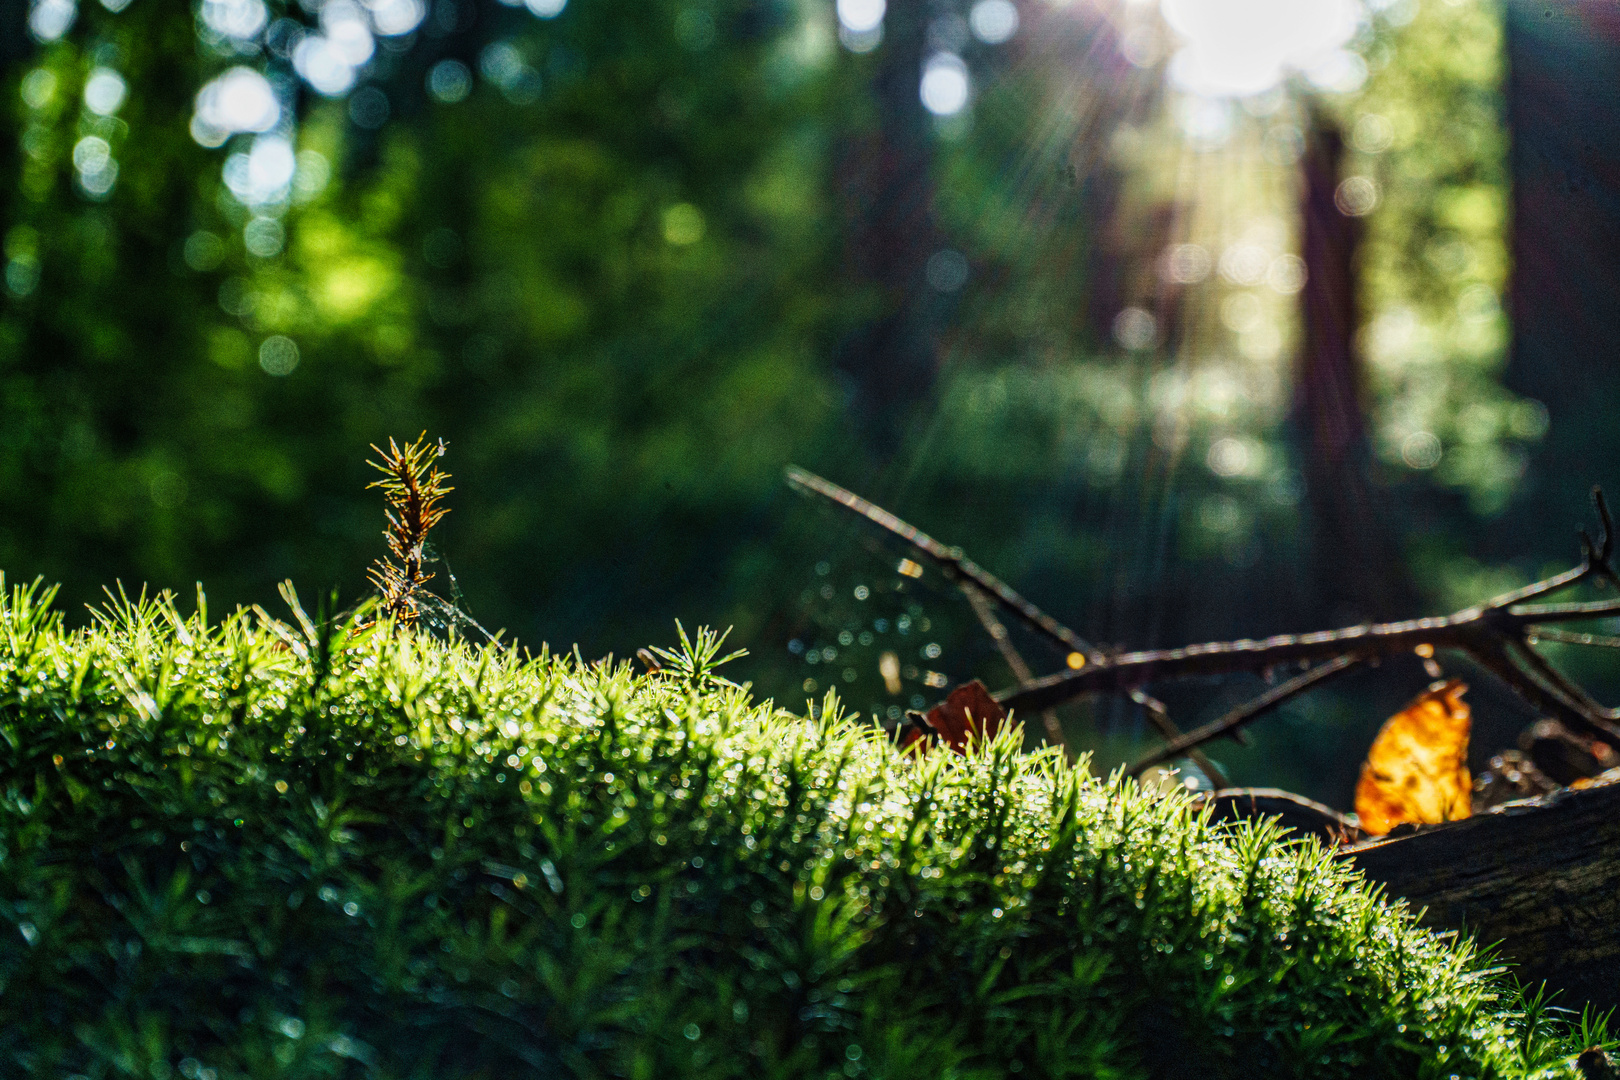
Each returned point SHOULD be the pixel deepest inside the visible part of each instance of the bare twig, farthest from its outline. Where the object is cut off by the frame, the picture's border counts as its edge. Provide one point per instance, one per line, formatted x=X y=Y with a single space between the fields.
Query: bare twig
x=981 y=588
x=986 y=614
x=1499 y=635
x=1496 y=634
x=1233 y=721
x=1159 y=717
x=955 y=565
x=1548 y=633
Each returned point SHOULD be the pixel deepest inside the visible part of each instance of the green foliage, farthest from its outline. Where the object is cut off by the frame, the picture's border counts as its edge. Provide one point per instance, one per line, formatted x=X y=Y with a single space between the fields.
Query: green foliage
x=300 y=849
x=607 y=297
x=1428 y=129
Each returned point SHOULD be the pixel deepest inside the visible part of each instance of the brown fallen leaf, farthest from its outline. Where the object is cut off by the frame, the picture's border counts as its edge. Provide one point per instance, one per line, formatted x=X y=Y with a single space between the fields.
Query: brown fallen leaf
x=1417 y=768
x=1595 y=1064
x=968 y=713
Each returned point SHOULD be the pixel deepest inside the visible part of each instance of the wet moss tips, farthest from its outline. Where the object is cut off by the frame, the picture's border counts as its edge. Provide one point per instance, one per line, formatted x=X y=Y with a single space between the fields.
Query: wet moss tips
x=275 y=848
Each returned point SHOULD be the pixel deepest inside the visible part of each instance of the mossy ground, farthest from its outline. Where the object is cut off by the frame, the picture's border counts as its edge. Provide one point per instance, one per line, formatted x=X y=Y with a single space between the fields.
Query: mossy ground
x=260 y=848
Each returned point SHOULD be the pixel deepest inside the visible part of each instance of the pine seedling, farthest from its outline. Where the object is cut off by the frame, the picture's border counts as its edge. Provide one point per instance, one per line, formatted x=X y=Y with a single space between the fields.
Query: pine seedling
x=696 y=661
x=414 y=487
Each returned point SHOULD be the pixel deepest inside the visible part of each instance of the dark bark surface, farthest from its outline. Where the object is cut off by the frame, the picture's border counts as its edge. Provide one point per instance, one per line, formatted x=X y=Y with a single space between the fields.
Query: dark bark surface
x=1539 y=878
x=1355 y=573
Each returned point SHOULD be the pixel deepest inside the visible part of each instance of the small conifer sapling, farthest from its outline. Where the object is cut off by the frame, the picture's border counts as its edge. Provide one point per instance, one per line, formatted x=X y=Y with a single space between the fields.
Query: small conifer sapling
x=414 y=488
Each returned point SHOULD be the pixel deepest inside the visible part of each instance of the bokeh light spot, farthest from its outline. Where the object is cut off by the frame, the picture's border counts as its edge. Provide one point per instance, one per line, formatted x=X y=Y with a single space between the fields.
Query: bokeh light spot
x=104 y=92
x=1236 y=48
x=263 y=174
x=993 y=21
x=861 y=16
x=91 y=154
x=369 y=108
x=1187 y=264
x=50 y=19
x=348 y=30
x=278 y=356
x=1231 y=457
x=1140 y=46
x=1421 y=450
x=1136 y=329
x=1373 y=134
x=449 y=81
x=860 y=41
x=694 y=29
x=240 y=19
x=1286 y=274
x=1356 y=197
x=312 y=172
x=322 y=66
x=683 y=224
x=1245 y=263
x=264 y=236
x=204 y=251
x=239 y=100
x=1285 y=144
x=945 y=85
x=947 y=270
x=395 y=17
x=1341 y=71
x=1241 y=312
x=502 y=64
x=38 y=88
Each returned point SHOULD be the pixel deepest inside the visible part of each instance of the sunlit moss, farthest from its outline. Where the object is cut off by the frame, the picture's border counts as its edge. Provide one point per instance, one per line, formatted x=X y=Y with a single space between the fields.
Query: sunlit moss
x=269 y=848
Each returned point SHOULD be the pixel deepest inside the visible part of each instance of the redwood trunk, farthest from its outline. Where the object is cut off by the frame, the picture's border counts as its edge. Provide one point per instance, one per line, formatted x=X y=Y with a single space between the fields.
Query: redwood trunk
x=1354 y=569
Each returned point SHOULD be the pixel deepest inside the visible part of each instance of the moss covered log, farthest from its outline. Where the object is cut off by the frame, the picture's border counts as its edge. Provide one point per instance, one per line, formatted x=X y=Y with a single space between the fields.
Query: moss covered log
x=267 y=848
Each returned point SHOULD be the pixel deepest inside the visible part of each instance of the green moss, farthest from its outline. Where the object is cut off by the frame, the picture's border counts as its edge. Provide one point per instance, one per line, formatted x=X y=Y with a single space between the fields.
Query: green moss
x=271 y=849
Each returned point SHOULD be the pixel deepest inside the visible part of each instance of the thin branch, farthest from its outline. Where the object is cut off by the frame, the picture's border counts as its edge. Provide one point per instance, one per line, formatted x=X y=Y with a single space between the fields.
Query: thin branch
x=1549 y=633
x=1120 y=673
x=1497 y=634
x=1159 y=716
x=1539 y=665
x=1497 y=657
x=1021 y=670
x=1595 y=561
x=1591 y=609
x=1233 y=721
x=949 y=559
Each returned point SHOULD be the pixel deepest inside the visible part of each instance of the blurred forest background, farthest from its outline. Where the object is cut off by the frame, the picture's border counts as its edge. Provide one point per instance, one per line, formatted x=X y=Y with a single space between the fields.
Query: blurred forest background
x=1192 y=320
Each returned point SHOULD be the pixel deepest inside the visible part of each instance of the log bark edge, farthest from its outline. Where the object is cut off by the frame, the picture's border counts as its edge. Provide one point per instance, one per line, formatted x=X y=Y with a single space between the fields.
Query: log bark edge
x=1539 y=879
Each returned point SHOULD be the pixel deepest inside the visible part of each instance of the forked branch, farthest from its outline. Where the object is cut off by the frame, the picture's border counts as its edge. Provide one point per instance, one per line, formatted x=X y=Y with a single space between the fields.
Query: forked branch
x=1499 y=635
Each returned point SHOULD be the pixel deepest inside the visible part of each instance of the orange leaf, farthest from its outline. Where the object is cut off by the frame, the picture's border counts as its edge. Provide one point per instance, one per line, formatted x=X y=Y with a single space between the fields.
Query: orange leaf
x=1417 y=769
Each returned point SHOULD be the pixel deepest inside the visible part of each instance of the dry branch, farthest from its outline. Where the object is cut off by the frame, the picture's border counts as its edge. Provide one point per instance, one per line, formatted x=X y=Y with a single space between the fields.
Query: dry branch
x=985 y=612
x=955 y=565
x=1499 y=635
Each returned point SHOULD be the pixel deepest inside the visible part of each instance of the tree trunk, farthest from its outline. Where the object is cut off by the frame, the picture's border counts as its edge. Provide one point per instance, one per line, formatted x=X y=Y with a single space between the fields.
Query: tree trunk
x=1355 y=574
x=886 y=186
